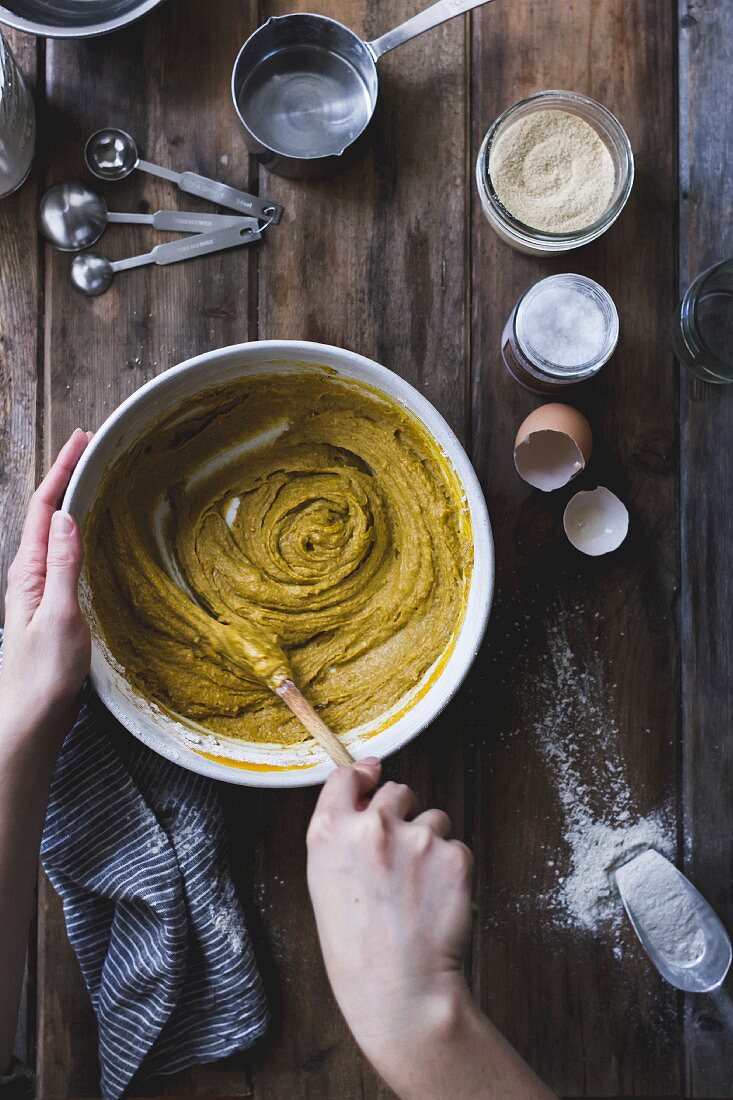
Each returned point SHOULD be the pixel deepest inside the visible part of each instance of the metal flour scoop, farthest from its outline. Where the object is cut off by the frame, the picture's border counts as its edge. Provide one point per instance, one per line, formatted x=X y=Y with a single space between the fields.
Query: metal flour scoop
x=678 y=929
x=305 y=86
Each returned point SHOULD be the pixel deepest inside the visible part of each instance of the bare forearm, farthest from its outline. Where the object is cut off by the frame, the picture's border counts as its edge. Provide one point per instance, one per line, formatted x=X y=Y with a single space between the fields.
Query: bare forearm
x=455 y=1051
x=492 y=1066
x=391 y=895
x=26 y=766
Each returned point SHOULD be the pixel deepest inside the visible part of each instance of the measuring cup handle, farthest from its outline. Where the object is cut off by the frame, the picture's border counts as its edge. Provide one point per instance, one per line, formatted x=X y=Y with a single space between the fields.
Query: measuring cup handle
x=204 y=243
x=129 y=219
x=184 y=222
x=133 y=261
x=156 y=170
x=230 y=197
x=423 y=21
x=186 y=247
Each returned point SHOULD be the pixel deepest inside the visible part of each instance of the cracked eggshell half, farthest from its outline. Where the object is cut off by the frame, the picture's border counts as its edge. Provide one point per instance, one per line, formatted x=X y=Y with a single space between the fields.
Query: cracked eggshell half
x=553 y=446
x=596 y=522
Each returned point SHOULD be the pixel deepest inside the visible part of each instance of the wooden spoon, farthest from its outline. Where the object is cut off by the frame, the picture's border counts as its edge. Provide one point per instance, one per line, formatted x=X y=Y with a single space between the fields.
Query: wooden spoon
x=265 y=658
x=317 y=728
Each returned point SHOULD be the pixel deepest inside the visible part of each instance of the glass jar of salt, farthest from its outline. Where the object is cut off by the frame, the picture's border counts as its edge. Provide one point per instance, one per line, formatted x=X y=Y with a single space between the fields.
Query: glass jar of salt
x=561 y=332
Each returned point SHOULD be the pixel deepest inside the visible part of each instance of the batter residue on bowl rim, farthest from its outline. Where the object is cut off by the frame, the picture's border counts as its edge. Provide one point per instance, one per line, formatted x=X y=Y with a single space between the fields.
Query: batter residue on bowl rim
x=288 y=524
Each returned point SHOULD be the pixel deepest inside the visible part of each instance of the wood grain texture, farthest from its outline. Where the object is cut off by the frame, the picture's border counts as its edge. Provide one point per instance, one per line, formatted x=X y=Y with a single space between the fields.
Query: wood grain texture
x=20 y=397
x=158 y=80
x=588 y=1012
x=394 y=259
x=706 y=420
x=19 y=336
x=374 y=260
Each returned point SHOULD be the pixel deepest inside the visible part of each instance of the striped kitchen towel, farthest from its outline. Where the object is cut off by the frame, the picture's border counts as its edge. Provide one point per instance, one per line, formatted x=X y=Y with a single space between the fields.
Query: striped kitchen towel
x=136 y=848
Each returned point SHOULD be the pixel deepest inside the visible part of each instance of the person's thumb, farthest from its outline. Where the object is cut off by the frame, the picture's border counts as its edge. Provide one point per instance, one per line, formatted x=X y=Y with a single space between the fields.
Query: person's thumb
x=346 y=788
x=63 y=566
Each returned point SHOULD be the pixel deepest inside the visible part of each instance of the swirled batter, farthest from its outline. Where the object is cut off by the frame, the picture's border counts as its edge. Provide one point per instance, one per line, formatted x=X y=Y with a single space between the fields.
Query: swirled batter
x=289 y=525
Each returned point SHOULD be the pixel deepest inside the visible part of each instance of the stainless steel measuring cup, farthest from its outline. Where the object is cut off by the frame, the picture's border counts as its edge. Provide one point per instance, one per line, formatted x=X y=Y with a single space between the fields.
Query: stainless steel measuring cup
x=305 y=86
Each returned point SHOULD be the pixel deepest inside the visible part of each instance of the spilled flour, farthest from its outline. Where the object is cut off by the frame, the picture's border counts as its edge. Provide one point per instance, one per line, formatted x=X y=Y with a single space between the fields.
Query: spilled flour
x=588 y=894
x=227 y=918
x=662 y=906
x=602 y=825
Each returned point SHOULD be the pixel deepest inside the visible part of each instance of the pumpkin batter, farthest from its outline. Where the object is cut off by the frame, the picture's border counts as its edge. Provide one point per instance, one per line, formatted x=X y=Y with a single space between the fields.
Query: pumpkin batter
x=289 y=525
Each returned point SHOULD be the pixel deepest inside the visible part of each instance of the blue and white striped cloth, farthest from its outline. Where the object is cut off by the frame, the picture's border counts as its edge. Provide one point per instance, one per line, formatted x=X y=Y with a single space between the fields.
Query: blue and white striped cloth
x=136 y=848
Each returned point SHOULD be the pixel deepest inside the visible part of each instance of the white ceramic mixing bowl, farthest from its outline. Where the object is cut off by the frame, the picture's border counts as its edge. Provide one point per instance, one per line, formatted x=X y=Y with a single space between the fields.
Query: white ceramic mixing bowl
x=275 y=765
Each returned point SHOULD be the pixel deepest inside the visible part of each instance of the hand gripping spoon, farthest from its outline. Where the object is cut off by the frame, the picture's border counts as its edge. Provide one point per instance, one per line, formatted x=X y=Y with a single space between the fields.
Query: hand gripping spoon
x=92 y=274
x=71 y=217
x=678 y=929
x=112 y=154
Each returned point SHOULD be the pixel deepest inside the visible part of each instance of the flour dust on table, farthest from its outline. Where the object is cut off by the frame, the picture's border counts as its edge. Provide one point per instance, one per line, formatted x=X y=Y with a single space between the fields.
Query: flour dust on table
x=603 y=826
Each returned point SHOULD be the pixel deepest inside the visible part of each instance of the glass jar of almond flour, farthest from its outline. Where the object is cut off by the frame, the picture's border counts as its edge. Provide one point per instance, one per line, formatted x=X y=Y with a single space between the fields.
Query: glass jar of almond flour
x=554 y=172
x=17 y=124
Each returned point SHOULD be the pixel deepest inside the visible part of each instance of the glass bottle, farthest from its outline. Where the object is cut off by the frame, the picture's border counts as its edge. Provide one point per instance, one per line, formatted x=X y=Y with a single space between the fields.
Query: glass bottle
x=17 y=124
x=703 y=327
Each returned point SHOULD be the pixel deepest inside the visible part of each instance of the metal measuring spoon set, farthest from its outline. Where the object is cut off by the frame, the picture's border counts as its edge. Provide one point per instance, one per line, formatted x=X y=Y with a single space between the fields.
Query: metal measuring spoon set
x=305 y=89
x=72 y=217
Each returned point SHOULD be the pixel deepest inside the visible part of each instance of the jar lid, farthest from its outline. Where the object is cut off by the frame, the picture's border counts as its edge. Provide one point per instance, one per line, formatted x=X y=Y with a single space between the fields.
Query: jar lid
x=567 y=326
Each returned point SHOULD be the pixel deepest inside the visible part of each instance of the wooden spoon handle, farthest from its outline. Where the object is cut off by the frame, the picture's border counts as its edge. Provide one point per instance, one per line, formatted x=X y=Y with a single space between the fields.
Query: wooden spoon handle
x=317 y=728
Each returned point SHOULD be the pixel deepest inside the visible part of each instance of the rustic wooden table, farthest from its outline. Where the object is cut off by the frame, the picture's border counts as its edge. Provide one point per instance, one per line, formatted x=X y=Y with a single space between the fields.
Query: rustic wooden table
x=394 y=259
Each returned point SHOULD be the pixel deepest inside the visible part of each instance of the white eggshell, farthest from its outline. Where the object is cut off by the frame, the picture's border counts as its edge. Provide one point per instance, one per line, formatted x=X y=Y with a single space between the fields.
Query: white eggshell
x=596 y=522
x=552 y=446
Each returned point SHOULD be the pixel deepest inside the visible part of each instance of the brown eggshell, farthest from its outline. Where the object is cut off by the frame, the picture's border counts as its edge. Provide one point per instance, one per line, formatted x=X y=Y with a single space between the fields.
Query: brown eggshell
x=553 y=446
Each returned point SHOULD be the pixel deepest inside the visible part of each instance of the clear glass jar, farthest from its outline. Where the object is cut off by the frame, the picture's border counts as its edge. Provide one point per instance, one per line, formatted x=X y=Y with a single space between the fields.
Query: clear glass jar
x=523 y=237
x=703 y=327
x=545 y=351
x=17 y=124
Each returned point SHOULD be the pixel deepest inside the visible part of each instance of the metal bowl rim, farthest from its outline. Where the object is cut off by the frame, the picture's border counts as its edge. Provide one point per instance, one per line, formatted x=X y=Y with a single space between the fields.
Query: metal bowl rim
x=44 y=30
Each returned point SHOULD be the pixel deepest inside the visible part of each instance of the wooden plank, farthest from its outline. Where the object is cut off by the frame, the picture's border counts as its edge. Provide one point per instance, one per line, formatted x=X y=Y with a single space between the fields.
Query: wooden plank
x=20 y=398
x=19 y=394
x=166 y=81
x=374 y=260
x=402 y=297
x=588 y=1013
x=66 y=1061
x=706 y=419
x=224 y=1080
